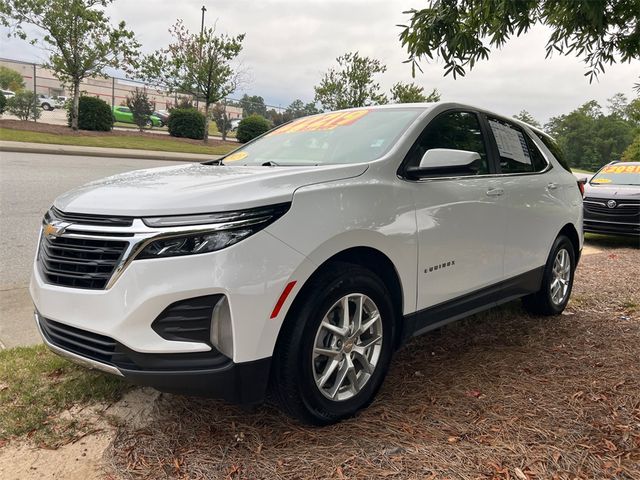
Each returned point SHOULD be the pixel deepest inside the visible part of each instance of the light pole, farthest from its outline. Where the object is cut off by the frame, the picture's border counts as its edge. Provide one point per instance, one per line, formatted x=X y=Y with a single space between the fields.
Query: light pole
x=204 y=9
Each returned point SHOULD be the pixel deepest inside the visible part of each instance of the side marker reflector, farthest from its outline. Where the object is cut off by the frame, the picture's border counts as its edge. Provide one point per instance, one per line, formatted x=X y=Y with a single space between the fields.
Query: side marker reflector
x=282 y=299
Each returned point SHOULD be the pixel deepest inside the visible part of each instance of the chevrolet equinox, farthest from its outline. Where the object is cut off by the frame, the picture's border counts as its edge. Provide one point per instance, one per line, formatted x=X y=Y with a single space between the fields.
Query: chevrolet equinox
x=296 y=265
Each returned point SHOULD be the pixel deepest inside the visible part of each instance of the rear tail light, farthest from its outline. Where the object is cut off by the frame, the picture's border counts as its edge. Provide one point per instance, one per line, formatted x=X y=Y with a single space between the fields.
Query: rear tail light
x=581 y=186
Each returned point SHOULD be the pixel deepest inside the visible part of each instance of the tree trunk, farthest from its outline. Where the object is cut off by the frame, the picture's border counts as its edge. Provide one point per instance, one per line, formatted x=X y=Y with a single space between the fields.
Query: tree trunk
x=205 y=138
x=75 y=105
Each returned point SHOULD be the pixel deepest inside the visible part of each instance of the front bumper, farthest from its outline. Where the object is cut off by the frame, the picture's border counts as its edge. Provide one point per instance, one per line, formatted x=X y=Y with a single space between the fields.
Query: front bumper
x=208 y=374
x=608 y=227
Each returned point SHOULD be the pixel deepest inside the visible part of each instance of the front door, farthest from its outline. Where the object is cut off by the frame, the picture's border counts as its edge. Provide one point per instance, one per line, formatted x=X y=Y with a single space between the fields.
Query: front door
x=461 y=220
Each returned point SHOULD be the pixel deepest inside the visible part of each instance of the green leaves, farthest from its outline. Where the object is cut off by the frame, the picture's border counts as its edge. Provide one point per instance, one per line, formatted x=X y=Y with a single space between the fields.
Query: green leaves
x=412 y=93
x=461 y=31
x=352 y=84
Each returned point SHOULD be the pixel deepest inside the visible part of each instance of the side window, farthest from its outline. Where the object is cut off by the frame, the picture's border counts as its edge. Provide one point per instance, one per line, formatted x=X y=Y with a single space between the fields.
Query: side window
x=454 y=130
x=554 y=149
x=513 y=148
x=537 y=159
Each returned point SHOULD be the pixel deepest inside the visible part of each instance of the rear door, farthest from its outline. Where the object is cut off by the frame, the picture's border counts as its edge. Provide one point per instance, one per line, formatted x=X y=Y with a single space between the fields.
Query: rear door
x=534 y=210
x=460 y=220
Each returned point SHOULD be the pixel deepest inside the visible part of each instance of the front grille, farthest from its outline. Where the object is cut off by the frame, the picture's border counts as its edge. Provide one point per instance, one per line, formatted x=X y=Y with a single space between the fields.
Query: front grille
x=90 y=345
x=88 y=219
x=79 y=262
x=106 y=350
x=622 y=208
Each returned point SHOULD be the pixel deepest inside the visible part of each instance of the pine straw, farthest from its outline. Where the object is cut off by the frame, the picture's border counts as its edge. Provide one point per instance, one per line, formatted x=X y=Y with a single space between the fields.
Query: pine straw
x=500 y=395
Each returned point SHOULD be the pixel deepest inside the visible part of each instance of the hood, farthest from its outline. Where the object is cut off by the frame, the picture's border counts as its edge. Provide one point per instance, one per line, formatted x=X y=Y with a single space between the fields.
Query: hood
x=622 y=192
x=197 y=188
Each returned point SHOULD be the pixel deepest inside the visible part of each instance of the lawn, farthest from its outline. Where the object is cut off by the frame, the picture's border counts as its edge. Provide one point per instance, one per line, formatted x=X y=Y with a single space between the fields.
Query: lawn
x=213 y=129
x=143 y=141
x=36 y=386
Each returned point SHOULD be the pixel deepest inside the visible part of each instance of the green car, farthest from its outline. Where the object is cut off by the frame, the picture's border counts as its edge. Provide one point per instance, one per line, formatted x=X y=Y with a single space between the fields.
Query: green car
x=124 y=115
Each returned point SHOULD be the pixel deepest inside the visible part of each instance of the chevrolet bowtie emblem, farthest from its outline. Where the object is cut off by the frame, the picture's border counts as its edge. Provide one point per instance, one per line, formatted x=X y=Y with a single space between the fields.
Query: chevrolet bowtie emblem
x=55 y=229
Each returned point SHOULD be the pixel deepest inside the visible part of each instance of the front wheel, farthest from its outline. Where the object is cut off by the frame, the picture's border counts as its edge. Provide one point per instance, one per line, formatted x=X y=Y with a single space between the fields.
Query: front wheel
x=335 y=347
x=557 y=281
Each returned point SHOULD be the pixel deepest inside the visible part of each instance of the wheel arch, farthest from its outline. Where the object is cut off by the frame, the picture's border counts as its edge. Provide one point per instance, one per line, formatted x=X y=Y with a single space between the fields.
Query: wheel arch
x=366 y=257
x=570 y=231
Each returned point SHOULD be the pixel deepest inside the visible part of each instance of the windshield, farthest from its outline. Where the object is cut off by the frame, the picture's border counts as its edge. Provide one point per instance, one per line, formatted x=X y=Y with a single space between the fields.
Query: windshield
x=352 y=136
x=618 y=174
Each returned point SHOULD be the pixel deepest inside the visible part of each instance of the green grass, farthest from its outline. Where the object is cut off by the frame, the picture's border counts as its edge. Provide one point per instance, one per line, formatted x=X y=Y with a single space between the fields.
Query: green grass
x=598 y=240
x=213 y=129
x=579 y=170
x=141 y=142
x=36 y=386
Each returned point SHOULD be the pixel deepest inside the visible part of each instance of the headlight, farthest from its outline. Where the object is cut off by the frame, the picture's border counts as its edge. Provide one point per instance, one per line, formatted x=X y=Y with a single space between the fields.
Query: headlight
x=211 y=232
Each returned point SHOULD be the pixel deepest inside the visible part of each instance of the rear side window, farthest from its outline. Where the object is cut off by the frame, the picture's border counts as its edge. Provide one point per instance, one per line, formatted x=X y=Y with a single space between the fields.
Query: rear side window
x=554 y=148
x=517 y=152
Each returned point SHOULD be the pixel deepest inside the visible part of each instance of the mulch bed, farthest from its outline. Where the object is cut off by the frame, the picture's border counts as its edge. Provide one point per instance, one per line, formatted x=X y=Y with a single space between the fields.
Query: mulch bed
x=64 y=130
x=501 y=395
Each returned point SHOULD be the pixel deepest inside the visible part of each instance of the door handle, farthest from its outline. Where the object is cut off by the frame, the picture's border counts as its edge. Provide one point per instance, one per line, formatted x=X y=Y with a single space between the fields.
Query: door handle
x=495 y=192
x=552 y=186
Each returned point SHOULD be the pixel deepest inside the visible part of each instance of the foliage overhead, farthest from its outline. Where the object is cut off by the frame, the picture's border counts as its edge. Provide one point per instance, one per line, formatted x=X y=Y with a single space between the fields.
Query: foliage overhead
x=461 y=32
x=141 y=108
x=93 y=114
x=197 y=64
x=251 y=127
x=590 y=137
x=352 y=84
x=10 y=79
x=24 y=105
x=526 y=117
x=412 y=93
x=78 y=35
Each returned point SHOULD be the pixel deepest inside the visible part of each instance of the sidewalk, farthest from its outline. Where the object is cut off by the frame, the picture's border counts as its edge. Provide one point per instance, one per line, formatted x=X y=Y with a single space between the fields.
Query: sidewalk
x=45 y=148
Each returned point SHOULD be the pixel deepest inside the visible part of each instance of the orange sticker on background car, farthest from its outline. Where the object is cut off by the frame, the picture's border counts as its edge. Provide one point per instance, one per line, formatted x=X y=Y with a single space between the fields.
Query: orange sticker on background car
x=327 y=121
x=601 y=180
x=234 y=157
x=621 y=169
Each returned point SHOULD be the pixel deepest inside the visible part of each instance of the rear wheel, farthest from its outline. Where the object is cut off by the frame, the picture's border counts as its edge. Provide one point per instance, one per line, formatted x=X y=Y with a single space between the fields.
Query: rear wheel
x=335 y=347
x=557 y=281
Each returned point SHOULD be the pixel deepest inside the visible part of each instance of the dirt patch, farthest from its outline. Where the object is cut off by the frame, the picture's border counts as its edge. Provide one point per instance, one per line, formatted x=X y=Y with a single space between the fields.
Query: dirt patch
x=64 y=130
x=83 y=458
x=499 y=395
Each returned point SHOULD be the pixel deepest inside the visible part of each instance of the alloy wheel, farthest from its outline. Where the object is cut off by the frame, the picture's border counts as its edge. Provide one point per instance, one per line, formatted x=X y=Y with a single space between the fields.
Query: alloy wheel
x=560 y=277
x=347 y=347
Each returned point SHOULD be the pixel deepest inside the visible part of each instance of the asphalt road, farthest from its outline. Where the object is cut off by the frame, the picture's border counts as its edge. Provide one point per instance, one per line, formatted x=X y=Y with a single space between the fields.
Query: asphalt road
x=28 y=185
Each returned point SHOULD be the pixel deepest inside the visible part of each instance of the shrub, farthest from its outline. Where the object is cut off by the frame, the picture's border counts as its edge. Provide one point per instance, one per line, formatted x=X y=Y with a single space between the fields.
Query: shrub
x=141 y=108
x=93 y=114
x=24 y=105
x=251 y=127
x=3 y=102
x=186 y=122
x=223 y=123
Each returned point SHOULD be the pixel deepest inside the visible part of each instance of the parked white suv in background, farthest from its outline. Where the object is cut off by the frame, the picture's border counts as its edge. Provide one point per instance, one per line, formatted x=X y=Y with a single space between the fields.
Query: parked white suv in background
x=298 y=263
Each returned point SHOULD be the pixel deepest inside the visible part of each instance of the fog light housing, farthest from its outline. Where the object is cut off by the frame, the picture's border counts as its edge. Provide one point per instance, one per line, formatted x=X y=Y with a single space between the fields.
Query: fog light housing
x=221 y=330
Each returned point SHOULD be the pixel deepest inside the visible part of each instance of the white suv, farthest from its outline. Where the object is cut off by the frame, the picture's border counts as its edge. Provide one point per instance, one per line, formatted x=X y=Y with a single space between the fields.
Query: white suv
x=299 y=263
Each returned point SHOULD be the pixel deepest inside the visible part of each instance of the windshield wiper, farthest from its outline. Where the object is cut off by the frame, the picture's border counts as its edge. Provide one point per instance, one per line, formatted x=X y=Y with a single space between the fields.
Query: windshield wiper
x=270 y=163
x=218 y=161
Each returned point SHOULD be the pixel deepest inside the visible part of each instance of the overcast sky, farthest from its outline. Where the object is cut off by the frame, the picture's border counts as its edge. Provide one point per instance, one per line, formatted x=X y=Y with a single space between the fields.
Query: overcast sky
x=289 y=44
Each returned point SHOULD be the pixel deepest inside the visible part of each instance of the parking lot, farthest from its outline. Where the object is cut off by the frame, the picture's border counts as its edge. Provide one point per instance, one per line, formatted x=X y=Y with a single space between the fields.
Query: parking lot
x=28 y=185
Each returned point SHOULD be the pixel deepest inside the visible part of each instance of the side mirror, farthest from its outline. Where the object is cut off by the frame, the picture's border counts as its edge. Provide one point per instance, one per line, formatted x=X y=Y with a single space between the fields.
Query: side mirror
x=440 y=162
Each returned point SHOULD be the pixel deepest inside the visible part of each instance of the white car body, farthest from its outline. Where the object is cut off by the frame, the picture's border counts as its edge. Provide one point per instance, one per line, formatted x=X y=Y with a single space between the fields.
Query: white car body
x=481 y=232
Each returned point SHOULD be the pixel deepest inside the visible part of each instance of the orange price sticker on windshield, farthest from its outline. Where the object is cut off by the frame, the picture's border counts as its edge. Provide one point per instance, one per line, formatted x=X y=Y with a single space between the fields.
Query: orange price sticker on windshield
x=601 y=180
x=327 y=121
x=621 y=169
x=234 y=157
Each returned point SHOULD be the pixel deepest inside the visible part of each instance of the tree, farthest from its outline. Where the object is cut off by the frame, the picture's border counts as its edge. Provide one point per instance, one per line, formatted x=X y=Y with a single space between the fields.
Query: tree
x=141 y=108
x=632 y=152
x=298 y=109
x=526 y=117
x=253 y=104
x=590 y=138
x=78 y=35
x=412 y=93
x=196 y=63
x=352 y=84
x=10 y=79
x=220 y=117
x=24 y=105
x=600 y=32
x=3 y=103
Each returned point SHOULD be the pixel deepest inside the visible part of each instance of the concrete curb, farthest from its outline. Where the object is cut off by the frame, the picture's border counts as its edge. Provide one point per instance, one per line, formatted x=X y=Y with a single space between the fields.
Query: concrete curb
x=51 y=149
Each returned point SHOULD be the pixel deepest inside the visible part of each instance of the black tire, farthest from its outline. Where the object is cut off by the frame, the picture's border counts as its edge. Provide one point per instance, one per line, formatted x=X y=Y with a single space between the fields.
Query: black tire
x=46 y=106
x=541 y=302
x=148 y=124
x=292 y=384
